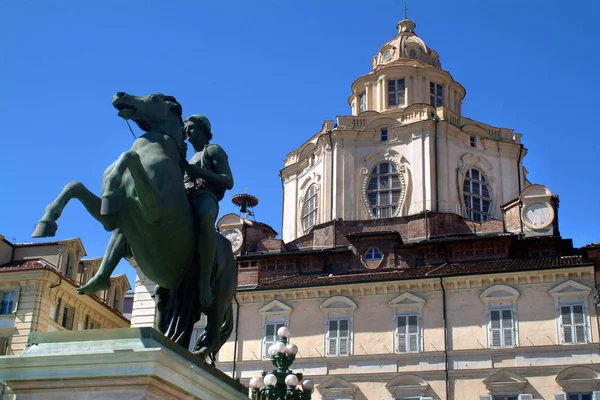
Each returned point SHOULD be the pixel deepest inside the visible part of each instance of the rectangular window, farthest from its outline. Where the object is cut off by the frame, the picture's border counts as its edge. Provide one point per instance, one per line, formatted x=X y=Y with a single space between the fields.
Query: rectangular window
x=384 y=134
x=8 y=302
x=67 y=317
x=587 y=396
x=573 y=324
x=56 y=312
x=362 y=102
x=396 y=92
x=436 y=94
x=338 y=337
x=407 y=337
x=502 y=331
x=473 y=141
x=270 y=337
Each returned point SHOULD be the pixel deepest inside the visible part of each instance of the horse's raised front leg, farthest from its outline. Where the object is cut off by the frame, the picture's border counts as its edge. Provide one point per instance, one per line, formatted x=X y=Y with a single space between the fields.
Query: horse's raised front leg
x=47 y=225
x=117 y=249
x=146 y=190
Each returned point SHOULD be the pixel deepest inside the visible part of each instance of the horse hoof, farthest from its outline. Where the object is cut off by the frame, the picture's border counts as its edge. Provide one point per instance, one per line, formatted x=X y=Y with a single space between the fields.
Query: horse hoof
x=111 y=203
x=46 y=228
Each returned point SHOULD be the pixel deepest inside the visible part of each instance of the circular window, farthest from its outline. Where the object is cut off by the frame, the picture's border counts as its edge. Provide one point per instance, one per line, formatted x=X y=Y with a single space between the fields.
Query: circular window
x=373 y=254
x=477 y=196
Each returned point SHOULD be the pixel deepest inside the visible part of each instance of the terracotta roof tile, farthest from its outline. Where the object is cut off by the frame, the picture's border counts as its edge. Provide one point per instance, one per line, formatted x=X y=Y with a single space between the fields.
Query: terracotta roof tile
x=454 y=269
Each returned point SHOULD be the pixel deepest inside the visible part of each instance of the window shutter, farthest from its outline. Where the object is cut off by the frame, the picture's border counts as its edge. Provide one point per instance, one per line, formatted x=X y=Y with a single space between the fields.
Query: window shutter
x=596 y=395
x=495 y=328
x=507 y=328
x=413 y=333
x=402 y=323
x=567 y=327
x=344 y=337
x=58 y=310
x=525 y=397
x=332 y=338
x=579 y=323
x=268 y=339
x=16 y=299
x=560 y=396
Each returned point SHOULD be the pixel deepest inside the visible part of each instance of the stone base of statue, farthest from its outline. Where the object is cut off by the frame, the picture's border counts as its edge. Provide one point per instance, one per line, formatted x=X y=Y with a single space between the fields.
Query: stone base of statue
x=115 y=364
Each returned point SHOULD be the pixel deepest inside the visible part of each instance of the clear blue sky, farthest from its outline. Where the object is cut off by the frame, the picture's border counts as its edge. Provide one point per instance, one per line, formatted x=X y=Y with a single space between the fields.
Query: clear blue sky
x=267 y=73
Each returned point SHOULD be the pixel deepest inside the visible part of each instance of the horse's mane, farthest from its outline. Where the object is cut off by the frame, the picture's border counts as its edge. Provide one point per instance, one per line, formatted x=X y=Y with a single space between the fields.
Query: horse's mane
x=178 y=110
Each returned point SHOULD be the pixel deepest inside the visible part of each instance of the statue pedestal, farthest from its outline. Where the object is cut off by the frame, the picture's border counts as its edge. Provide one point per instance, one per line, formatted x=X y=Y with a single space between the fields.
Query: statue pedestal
x=123 y=364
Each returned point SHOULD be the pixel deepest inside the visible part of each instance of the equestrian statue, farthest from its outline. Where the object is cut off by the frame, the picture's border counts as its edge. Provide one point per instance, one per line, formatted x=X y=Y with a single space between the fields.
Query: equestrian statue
x=161 y=210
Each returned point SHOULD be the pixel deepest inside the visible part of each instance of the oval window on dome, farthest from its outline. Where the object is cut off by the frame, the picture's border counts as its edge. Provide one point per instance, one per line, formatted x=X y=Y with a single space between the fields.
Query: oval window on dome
x=477 y=196
x=384 y=190
x=412 y=53
x=387 y=55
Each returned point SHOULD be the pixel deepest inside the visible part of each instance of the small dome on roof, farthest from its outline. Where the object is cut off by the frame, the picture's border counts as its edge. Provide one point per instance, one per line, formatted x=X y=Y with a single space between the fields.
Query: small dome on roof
x=406 y=45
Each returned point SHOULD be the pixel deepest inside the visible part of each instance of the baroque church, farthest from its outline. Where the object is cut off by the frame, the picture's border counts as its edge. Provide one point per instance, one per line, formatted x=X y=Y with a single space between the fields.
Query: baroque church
x=415 y=258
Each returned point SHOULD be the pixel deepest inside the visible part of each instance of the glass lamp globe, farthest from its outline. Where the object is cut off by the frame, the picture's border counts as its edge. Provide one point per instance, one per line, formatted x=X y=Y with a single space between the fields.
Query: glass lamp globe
x=307 y=384
x=291 y=380
x=270 y=380
x=284 y=331
x=256 y=383
x=279 y=347
x=291 y=349
x=272 y=350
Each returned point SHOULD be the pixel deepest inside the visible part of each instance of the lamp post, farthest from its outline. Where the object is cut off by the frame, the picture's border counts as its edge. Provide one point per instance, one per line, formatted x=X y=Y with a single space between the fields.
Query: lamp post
x=281 y=383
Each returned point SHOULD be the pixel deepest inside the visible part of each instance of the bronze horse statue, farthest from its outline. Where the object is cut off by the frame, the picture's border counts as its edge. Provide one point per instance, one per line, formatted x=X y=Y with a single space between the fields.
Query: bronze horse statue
x=145 y=206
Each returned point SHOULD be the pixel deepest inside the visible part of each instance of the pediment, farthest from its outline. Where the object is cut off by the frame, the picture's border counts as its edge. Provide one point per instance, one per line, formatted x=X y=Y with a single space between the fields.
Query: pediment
x=505 y=379
x=570 y=288
x=499 y=292
x=275 y=307
x=580 y=378
x=406 y=385
x=406 y=300
x=338 y=304
x=475 y=130
x=336 y=386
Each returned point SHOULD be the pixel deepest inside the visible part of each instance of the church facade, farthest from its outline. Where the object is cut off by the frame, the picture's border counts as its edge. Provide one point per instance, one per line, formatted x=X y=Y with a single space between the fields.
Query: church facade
x=416 y=260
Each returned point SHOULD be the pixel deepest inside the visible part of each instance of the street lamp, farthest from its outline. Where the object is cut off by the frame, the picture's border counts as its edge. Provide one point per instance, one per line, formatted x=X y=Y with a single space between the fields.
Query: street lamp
x=281 y=383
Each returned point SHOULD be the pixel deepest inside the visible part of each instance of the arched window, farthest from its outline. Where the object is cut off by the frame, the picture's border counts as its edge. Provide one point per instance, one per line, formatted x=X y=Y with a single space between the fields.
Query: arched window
x=116 y=301
x=384 y=190
x=477 y=196
x=310 y=208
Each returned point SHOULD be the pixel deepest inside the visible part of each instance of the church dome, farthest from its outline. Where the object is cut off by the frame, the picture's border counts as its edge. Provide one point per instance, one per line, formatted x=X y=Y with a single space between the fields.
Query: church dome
x=406 y=46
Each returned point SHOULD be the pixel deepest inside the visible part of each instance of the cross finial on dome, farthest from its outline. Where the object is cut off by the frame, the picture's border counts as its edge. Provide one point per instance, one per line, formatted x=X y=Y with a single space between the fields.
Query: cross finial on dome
x=405 y=11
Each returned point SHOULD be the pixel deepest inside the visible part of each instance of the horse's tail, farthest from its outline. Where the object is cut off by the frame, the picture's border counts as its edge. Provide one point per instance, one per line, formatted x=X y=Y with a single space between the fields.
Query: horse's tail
x=227 y=327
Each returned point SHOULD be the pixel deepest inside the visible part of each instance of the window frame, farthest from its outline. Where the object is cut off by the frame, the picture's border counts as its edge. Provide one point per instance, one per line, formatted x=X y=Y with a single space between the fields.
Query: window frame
x=469 y=210
x=268 y=343
x=372 y=252
x=309 y=218
x=408 y=304
x=338 y=308
x=399 y=91
x=384 y=134
x=568 y=294
x=9 y=307
x=407 y=333
x=473 y=141
x=436 y=94
x=5 y=345
x=274 y=312
x=338 y=338
x=496 y=298
x=362 y=102
x=573 y=325
x=501 y=330
x=376 y=209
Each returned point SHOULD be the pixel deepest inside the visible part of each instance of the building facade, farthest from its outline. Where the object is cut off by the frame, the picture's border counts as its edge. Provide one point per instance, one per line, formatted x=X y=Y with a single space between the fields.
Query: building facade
x=416 y=260
x=38 y=292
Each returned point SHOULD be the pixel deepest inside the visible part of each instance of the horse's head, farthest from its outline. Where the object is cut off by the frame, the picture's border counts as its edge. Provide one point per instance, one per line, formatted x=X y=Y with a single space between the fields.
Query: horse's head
x=152 y=112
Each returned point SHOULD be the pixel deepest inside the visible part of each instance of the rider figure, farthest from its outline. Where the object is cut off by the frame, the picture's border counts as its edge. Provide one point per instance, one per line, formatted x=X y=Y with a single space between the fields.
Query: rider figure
x=206 y=178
